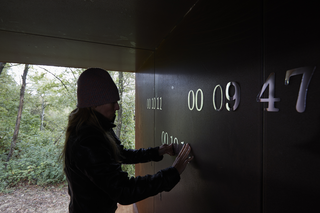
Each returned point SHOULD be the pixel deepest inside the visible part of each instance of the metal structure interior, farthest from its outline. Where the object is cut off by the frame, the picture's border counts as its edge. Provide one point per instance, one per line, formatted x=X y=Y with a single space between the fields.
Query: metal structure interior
x=237 y=80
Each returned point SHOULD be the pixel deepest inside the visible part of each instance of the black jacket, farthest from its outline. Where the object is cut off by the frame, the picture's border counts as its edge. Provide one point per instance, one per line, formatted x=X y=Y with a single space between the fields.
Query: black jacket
x=96 y=182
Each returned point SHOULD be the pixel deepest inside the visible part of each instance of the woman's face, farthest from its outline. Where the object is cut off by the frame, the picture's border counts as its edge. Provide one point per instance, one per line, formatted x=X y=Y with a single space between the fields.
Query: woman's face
x=108 y=110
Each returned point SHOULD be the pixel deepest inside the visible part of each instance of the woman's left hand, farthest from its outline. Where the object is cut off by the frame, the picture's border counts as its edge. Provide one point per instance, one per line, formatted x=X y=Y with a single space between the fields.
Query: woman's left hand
x=166 y=149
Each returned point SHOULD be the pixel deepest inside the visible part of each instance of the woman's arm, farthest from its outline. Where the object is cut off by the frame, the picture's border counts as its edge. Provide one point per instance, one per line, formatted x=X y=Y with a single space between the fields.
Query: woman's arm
x=132 y=156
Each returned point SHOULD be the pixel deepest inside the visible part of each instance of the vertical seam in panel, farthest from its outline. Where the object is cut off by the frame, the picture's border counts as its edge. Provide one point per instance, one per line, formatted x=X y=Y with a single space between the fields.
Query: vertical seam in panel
x=154 y=120
x=262 y=78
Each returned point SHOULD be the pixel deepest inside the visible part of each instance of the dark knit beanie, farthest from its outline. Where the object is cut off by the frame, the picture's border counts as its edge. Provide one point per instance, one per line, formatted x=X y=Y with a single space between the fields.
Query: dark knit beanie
x=95 y=88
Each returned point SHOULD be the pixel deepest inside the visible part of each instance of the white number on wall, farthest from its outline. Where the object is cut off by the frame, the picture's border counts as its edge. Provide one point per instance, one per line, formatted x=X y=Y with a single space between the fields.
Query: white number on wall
x=194 y=98
x=235 y=97
x=214 y=98
x=154 y=103
x=306 y=73
x=270 y=82
x=165 y=139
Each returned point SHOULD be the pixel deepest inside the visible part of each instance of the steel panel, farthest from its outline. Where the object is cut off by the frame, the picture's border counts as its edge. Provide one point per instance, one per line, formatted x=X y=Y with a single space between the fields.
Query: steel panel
x=291 y=139
x=225 y=175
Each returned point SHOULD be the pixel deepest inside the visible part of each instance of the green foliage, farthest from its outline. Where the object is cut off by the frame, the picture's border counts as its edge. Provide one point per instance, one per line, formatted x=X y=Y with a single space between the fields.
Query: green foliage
x=35 y=160
x=127 y=135
x=9 y=94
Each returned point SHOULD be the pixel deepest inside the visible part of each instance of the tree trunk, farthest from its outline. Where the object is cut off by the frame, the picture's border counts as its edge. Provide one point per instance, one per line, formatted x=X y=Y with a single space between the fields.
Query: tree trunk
x=119 y=118
x=16 y=129
x=42 y=113
x=2 y=65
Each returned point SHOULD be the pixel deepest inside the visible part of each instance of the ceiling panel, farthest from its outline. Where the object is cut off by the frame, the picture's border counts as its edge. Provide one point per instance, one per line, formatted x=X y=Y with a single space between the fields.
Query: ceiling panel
x=140 y=25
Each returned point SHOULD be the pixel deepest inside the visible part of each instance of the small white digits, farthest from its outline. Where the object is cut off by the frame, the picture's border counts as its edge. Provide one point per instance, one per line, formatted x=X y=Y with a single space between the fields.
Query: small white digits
x=307 y=73
x=148 y=103
x=154 y=103
x=271 y=99
x=165 y=139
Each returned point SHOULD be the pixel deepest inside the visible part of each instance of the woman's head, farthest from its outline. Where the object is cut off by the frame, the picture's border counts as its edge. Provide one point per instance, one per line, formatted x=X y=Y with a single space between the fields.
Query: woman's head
x=96 y=91
x=108 y=110
x=96 y=88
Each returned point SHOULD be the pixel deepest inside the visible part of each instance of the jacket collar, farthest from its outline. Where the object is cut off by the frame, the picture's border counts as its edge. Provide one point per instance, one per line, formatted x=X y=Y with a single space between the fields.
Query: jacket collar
x=104 y=122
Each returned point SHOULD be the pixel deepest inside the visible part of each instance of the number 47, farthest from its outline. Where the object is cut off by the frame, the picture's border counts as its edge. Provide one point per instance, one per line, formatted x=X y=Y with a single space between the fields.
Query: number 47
x=306 y=72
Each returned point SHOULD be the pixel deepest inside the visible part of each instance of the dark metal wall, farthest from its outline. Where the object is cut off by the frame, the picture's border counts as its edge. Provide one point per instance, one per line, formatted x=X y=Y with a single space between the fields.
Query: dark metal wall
x=291 y=142
x=247 y=159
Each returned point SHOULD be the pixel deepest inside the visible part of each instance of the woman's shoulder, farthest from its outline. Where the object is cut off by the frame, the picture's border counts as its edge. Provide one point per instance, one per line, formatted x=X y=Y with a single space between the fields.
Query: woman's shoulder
x=89 y=130
x=89 y=141
x=87 y=136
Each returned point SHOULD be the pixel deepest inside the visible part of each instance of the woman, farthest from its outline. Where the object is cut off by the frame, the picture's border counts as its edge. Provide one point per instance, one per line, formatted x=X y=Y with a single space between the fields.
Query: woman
x=93 y=154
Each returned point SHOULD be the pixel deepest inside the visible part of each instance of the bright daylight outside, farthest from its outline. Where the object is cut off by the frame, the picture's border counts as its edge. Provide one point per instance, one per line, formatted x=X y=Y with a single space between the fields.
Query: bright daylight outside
x=35 y=102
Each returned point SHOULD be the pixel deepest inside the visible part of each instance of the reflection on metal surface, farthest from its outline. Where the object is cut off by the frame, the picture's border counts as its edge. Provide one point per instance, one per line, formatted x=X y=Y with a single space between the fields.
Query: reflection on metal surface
x=235 y=97
x=195 y=100
x=214 y=98
x=307 y=73
x=271 y=99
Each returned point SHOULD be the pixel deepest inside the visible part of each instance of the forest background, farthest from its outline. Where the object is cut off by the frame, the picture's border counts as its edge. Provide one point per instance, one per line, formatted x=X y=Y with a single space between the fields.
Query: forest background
x=50 y=95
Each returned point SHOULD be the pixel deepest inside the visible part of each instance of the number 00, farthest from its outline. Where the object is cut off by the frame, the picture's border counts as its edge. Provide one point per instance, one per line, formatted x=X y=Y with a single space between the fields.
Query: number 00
x=194 y=99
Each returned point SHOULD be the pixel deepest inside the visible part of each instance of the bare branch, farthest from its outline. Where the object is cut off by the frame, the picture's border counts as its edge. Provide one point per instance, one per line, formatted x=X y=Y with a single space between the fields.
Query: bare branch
x=55 y=77
x=74 y=76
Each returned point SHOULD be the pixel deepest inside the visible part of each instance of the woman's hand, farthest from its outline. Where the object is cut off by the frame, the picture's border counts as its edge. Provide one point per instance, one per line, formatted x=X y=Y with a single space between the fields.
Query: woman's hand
x=183 y=158
x=166 y=149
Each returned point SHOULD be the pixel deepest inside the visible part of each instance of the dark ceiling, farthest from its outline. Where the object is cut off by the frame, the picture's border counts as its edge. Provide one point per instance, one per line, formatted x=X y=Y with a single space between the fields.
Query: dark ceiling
x=115 y=35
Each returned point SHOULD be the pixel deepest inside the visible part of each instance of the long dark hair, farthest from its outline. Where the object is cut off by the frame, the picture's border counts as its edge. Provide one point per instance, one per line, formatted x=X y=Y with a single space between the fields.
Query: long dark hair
x=80 y=116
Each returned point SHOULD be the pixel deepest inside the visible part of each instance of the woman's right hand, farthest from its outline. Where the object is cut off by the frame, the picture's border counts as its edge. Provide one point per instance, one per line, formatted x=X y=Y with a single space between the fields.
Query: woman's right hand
x=183 y=158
